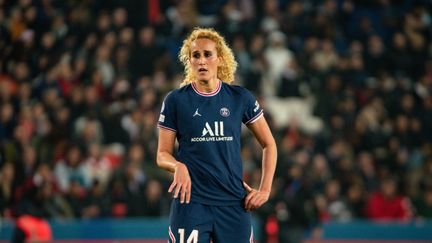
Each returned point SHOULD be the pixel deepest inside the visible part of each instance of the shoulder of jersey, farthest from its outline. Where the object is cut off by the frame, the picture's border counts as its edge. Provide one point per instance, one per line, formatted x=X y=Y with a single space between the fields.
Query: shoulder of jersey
x=184 y=88
x=180 y=90
x=236 y=88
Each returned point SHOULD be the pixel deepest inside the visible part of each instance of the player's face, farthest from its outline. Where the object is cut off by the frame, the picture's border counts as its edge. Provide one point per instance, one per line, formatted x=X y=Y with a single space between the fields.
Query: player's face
x=204 y=59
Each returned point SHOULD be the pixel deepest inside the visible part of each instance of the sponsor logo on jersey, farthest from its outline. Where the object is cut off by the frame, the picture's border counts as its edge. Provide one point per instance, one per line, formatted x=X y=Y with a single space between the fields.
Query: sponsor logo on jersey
x=224 y=112
x=218 y=129
x=213 y=133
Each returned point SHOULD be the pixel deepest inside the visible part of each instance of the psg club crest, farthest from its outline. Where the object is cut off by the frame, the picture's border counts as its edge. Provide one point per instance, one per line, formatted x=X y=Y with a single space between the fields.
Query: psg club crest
x=224 y=112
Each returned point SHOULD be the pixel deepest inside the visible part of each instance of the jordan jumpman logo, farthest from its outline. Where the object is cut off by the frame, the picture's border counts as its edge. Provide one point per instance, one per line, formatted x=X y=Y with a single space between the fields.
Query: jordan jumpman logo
x=197 y=113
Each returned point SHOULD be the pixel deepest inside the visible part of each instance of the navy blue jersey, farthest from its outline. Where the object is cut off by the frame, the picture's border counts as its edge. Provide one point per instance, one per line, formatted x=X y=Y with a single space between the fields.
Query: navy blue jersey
x=208 y=127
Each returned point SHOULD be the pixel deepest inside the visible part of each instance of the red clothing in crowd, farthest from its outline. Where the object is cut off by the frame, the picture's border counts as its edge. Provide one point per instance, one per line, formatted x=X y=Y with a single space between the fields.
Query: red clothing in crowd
x=379 y=207
x=35 y=229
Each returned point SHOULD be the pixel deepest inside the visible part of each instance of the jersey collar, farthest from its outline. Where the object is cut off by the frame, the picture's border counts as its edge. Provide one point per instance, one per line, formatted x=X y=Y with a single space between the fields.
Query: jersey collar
x=207 y=94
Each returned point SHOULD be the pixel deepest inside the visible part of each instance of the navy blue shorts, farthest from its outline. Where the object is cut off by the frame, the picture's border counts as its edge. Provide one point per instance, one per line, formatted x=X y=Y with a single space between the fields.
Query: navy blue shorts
x=194 y=222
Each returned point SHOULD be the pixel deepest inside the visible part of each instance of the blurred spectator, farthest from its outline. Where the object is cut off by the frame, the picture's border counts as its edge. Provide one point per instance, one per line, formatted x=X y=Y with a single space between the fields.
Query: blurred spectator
x=294 y=207
x=367 y=170
x=156 y=205
x=103 y=64
x=355 y=200
x=423 y=203
x=97 y=168
x=30 y=228
x=337 y=207
x=96 y=204
x=146 y=54
x=131 y=124
x=134 y=182
x=118 y=197
x=61 y=127
x=399 y=54
x=241 y=55
x=75 y=197
x=325 y=58
x=237 y=16
x=182 y=16
x=7 y=189
x=423 y=188
x=51 y=202
x=278 y=59
x=69 y=169
x=88 y=131
x=376 y=55
x=271 y=15
x=26 y=167
x=7 y=122
x=387 y=203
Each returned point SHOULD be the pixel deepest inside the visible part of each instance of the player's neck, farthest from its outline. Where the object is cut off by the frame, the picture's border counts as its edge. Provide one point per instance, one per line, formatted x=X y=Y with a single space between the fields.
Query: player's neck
x=207 y=86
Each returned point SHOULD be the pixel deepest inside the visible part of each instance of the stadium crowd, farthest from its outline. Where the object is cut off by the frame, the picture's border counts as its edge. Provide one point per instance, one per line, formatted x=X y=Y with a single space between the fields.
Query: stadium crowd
x=81 y=84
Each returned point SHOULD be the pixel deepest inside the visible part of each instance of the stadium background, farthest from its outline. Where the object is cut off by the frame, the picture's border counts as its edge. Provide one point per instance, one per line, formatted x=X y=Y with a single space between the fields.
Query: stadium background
x=346 y=86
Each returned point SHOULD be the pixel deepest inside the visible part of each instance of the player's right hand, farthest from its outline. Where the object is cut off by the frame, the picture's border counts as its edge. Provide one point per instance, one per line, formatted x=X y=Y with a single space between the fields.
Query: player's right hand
x=181 y=183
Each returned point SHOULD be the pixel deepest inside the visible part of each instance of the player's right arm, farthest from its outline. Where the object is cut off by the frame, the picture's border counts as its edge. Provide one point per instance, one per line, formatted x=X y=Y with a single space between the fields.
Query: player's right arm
x=181 y=182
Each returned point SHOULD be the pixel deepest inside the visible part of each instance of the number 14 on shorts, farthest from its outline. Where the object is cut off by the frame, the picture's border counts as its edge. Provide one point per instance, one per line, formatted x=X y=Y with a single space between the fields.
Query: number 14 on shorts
x=193 y=237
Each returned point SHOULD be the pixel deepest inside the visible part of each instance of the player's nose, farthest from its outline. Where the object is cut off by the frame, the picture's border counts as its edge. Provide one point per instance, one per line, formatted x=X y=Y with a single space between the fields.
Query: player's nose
x=201 y=60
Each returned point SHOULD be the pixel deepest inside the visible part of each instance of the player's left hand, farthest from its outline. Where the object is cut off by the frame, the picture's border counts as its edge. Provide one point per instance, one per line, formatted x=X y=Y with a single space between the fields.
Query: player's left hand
x=255 y=198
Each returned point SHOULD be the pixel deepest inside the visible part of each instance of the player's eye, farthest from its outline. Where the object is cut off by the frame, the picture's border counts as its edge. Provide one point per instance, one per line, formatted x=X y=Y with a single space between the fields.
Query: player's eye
x=208 y=54
x=196 y=55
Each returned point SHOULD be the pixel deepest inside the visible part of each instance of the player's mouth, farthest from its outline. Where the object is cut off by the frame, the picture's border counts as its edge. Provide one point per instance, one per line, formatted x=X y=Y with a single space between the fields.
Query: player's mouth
x=202 y=70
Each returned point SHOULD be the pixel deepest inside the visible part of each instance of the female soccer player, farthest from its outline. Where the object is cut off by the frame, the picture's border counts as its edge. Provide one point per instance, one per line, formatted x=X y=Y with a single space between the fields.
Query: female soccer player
x=211 y=202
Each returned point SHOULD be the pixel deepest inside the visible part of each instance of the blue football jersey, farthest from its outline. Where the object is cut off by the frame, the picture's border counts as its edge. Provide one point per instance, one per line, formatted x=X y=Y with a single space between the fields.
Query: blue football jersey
x=208 y=127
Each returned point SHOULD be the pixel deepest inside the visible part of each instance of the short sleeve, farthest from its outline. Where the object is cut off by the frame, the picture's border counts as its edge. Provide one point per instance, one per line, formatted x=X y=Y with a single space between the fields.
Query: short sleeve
x=252 y=111
x=168 y=114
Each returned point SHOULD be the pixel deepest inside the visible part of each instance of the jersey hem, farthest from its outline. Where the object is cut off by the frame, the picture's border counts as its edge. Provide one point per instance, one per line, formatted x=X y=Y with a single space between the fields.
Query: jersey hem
x=219 y=203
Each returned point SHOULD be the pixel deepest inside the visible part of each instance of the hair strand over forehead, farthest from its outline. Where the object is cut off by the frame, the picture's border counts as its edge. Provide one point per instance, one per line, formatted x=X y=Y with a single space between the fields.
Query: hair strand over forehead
x=228 y=66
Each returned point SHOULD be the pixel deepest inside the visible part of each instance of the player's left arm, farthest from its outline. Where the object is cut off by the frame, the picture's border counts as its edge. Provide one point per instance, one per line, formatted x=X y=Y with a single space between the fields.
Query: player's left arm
x=262 y=133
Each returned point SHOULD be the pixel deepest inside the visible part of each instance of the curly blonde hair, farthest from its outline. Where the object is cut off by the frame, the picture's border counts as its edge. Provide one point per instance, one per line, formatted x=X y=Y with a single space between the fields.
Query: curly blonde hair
x=228 y=66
